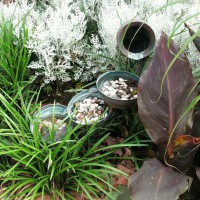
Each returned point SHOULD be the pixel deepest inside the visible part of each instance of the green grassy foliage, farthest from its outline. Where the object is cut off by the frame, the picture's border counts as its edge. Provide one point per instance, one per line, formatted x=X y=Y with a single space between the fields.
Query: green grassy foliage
x=31 y=166
x=14 y=56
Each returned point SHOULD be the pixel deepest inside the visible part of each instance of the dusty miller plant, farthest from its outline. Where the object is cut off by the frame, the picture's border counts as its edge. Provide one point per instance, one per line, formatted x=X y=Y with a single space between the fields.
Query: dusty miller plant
x=59 y=41
x=56 y=39
x=65 y=49
x=113 y=13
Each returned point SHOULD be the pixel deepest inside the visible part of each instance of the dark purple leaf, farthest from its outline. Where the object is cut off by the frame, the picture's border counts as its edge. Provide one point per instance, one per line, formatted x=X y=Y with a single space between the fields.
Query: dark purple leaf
x=198 y=172
x=186 y=146
x=196 y=40
x=122 y=193
x=184 y=149
x=159 y=115
x=195 y=132
x=155 y=181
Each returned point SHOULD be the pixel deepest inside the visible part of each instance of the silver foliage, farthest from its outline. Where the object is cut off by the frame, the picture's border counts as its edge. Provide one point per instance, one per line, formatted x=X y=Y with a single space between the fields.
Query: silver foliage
x=66 y=50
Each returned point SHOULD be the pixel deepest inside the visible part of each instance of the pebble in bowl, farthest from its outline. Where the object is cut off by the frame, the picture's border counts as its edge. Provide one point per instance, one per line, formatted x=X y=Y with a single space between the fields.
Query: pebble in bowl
x=87 y=107
x=118 y=88
x=51 y=117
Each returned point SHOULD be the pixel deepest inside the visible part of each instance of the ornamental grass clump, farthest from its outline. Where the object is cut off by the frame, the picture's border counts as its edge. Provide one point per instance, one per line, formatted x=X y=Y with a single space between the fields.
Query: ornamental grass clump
x=14 y=56
x=31 y=167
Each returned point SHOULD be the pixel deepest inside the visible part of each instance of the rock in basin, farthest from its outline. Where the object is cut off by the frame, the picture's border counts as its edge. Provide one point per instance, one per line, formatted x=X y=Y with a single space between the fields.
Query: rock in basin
x=48 y=116
x=88 y=110
x=120 y=89
x=46 y=126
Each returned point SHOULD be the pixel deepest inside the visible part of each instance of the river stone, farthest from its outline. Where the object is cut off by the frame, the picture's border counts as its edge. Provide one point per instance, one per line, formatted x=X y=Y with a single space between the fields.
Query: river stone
x=87 y=111
x=120 y=88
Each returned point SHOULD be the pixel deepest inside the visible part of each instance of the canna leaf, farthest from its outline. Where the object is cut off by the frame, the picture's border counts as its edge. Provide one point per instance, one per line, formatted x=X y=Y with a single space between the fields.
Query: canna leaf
x=184 y=149
x=122 y=193
x=197 y=169
x=195 y=132
x=155 y=181
x=160 y=110
x=196 y=40
x=186 y=146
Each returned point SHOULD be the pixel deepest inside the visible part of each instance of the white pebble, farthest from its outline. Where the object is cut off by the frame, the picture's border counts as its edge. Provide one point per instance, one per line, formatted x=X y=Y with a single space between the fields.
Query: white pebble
x=135 y=96
x=100 y=108
x=107 y=93
x=118 y=89
x=88 y=110
x=78 y=115
x=88 y=104
x=106 y=83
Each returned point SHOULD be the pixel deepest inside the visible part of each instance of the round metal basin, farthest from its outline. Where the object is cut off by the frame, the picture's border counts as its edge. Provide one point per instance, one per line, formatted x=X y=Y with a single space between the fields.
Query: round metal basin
x=46 y=113
x=83 y=95
x=108 y=76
